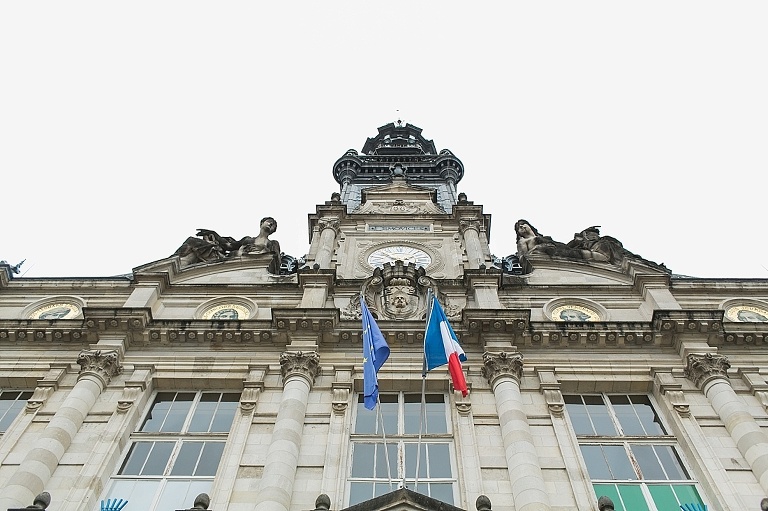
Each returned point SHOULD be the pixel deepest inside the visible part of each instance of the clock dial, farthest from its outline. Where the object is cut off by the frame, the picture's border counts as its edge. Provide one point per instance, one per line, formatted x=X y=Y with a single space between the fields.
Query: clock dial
x=408 y=255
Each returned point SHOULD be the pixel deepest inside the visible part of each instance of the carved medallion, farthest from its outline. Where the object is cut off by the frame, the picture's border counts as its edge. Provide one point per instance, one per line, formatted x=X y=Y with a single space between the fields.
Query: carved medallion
x=59 y=310
x=747 y=314
x=574 y=312
x=226 y=311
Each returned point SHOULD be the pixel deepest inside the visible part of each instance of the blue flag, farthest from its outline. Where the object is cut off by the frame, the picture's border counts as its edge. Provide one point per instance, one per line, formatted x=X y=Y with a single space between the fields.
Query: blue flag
x=375 y=353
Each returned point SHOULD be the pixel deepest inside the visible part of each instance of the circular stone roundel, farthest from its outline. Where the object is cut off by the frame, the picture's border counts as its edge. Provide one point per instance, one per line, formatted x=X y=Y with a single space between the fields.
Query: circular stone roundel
x=747 y=314
x=574 y=312
x=58 y=310
x=226 y=311
x=404 y=253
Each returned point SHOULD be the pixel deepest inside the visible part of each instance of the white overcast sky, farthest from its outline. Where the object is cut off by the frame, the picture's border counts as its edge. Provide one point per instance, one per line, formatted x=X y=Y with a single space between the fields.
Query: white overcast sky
x=125 y=126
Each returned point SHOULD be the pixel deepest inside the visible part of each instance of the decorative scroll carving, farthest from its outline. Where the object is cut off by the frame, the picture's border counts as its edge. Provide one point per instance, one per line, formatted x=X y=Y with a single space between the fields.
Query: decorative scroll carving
x=39 y=397
x=555 y=402
x=463 y=404
x=700 y=369
x=342 y=386
x=503 y=364
x=129 y=397
x=298 y=363
x=103 y=363
x=249 y=398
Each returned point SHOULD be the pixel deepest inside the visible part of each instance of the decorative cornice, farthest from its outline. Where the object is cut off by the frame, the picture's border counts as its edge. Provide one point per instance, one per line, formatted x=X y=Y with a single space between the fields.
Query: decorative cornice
x=701 y=368
x=104 y=364
x=503 y=364
x=305 y=365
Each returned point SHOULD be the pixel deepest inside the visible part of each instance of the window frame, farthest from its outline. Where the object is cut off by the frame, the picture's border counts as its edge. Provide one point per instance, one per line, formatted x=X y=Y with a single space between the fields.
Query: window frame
x=178 y=440
x=18 y=403
x=627 y=442
x=399 y=441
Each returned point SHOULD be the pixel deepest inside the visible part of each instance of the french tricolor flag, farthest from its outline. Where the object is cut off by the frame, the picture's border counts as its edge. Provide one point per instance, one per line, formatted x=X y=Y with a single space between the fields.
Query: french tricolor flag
x=441 y=347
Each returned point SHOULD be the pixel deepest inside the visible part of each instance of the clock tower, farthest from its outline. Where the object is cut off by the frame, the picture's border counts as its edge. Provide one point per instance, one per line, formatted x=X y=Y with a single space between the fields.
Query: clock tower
x=399 y=223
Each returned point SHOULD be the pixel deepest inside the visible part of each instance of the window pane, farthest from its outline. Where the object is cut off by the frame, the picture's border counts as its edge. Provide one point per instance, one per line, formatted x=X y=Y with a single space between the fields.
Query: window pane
x=177 y=414
x=439 y=460
x=367 y=422
x=649 y=465
x=138 y=493
x=382 y=453
x=383 y=488
x=610 y=491
x=136 y=458
x=442 y=492
x=362 y=460
x=389 y=412
x=671 y=462
x=222 y=421
x=411 y=459
x=648 y=416
x=204 y=412
x=360 y=492
x=180 y=494
x=607 y=462
x=366 y=419
x=625 y=413
x=632 y=498
x=158 y=459
x=663 y=496
x=598 y=413
x=687 y=494
x=11 y=404
x=210 y=459
x=577 y=412
x=186 y=461
x=412 y=412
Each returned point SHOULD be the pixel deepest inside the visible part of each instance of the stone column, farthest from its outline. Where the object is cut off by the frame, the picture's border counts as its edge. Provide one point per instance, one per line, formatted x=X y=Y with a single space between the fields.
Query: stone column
x=299 y=370
x=97 y=369
x=470 y=229
x=329 y=229
x=105 y=450
x=708 y=373
x=503 y=371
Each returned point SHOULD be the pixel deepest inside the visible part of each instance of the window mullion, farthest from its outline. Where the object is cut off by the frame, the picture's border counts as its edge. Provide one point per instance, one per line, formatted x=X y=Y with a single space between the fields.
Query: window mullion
x=612 y=415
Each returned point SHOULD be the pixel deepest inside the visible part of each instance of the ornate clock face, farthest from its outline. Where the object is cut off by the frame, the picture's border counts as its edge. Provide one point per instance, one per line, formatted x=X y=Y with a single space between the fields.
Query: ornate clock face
x=408 y=255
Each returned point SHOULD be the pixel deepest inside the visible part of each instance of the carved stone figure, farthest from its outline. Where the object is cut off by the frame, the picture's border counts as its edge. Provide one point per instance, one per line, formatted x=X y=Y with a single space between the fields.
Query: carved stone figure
x=586 y=245
x=210 y=247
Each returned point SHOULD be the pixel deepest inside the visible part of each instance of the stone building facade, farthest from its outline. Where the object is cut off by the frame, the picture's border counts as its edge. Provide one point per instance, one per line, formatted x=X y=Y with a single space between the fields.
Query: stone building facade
x=232 y=369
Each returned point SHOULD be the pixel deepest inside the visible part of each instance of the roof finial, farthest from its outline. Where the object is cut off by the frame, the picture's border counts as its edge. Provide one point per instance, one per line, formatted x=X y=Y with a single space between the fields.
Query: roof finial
x=399 y=121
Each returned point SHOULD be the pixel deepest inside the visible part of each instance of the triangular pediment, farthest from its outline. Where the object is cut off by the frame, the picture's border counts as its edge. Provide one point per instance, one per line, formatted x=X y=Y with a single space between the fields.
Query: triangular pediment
x=398 y=197
x=403 y=500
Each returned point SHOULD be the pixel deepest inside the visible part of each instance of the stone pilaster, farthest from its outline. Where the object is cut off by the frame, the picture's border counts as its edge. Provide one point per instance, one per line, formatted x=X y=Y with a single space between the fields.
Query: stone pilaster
x=329 y=229
x=98 y=368
x=337 y=446
x=504 y=371
x=224 y=485
x=299 y=370
x=709 y=373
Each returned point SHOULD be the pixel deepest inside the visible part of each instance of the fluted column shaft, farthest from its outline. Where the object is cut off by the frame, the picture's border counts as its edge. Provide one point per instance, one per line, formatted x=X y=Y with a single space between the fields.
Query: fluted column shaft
x=708 y=372
x=40 y=463
x=503 y=371
x=470 y=229
x=329 y=227
x=299 y=370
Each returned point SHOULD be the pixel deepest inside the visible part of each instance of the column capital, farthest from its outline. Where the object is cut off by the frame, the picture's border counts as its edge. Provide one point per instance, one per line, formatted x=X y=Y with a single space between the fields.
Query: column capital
x=329 y=222
x=502 y=364
x=299 y=363
x=104 y=364
x=466 y=224
x=703 y=367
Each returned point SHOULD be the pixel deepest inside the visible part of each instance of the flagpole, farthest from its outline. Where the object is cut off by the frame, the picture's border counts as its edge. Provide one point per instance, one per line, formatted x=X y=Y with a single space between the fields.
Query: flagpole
x=384 y=438
x=423 y=412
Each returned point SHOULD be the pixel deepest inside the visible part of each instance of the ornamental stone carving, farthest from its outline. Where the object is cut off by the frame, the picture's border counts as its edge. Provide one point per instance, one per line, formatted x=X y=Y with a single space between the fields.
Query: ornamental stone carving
x=702 y=368
x=103 y=363
x=329 y=223
x=503 y=364
x=469 y=224
x=305 y=365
